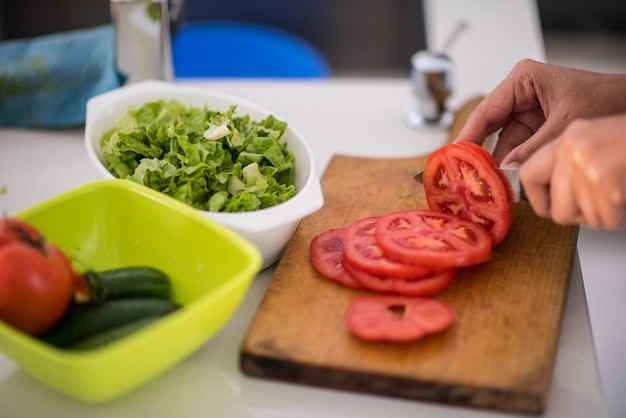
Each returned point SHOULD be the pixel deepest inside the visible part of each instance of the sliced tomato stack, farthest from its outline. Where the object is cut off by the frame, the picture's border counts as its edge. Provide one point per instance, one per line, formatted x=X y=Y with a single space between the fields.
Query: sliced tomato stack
x=352 y=256
x=362 y=250
x=460 y=179
x=407 y=256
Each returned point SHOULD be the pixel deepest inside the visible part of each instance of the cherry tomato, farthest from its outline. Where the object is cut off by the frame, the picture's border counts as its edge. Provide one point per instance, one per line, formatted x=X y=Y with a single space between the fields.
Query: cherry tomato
x=434 y=239
x=460 y=179
x=427 y=285
x=327 y=256
x=13 y=229
x=396 y=318
x=361 y=248
x=35 y=285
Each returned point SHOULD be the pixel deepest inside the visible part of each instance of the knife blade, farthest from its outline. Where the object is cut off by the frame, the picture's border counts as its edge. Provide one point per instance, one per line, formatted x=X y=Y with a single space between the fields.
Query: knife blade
x=509 y=172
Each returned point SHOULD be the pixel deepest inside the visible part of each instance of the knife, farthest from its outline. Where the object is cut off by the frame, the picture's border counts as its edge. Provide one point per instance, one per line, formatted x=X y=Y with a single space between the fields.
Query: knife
x=509 y=172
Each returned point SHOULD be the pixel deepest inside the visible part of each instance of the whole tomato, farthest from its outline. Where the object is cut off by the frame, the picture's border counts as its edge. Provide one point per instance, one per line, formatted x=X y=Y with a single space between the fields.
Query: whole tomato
x=36 y=283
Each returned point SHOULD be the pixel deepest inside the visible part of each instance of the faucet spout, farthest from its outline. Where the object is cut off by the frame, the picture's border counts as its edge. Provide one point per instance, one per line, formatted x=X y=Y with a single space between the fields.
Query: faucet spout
x=142 y=39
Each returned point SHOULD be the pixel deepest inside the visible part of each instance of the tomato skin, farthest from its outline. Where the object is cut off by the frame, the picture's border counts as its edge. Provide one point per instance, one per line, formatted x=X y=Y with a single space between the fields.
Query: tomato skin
x=14 y=229
x=460 y=179
x=396 y=318
x=436 y=239
x=326 y=250
x=427 y=285
x=35 y=285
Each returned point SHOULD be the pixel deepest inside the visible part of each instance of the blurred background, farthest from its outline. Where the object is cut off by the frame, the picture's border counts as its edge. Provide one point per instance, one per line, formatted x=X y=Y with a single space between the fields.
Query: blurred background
x=358 y=37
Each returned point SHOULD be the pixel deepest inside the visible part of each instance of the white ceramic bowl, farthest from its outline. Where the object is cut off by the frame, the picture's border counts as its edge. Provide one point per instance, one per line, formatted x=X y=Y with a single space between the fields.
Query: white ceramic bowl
x=269 y=229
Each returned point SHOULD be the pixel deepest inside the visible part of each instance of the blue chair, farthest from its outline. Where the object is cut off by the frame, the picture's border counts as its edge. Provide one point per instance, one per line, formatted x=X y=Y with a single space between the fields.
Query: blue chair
x=243 y=50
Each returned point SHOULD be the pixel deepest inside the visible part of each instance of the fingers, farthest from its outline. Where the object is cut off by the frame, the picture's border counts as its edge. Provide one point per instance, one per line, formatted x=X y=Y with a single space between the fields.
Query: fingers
x=518 y=147
x=568 y=199
x=597 y=150
x=514 y=107
x=515 y=93
x=580 y=177
x=511 y=136
x=487 y=118
x=536 y=176
x=611 y=205
x=547 y=181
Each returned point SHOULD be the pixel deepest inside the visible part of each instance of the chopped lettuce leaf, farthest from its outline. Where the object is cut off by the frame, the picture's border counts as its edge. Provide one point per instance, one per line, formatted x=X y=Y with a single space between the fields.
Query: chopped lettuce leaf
x=208 y=159
x=216 y=132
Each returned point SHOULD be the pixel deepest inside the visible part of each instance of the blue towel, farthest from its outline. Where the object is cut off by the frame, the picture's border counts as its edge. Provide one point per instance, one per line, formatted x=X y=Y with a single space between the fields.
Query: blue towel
x=46 y=81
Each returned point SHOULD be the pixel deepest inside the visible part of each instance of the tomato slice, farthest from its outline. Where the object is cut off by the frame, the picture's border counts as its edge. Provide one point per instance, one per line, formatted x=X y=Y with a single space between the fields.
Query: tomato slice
x=427 y=285
x=435 y=239
x=361 y=248
x=460 y=179
x=326 y=250
x=396 y=318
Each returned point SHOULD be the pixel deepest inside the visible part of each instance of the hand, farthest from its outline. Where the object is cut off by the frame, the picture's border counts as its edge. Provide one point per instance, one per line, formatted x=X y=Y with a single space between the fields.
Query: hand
x=580 y=177
x=536 y=102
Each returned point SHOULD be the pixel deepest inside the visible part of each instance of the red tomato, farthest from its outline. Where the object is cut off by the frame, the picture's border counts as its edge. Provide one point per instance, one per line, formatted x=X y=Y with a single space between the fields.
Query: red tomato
x=327 y=256
x=480 y=152
x=459 y=179
x=35 y=285
x=396 y=318
x=361 y=248
x=427 y=285
x=13 y=229
x=435 y=239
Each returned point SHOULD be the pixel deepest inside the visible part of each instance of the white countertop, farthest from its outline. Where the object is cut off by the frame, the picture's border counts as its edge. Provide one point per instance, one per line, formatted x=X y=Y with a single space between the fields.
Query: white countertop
x=358 y=117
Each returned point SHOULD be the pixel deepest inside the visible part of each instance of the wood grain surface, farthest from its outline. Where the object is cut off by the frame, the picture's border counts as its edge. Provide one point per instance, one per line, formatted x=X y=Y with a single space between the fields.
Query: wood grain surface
x=499 y=353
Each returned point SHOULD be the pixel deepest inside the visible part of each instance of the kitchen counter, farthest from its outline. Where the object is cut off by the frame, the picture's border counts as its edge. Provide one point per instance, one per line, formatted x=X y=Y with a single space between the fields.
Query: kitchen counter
x=348 y=116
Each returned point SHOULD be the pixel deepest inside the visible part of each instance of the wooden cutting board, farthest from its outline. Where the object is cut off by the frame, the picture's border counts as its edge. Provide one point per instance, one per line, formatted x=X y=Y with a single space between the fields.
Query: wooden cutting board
x=500 y=352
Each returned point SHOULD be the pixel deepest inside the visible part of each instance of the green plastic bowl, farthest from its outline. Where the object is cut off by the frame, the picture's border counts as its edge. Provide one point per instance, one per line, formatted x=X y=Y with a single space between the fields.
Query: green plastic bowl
x=116 y=223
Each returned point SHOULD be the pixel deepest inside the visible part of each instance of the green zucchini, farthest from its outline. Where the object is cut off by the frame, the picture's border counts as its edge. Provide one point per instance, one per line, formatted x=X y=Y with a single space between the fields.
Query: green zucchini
x=128 y=282
x=114 y=334
x=85 y=321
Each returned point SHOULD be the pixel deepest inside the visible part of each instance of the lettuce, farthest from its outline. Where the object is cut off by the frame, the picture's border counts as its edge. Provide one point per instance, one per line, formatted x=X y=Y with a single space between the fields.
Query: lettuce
x=208 y=159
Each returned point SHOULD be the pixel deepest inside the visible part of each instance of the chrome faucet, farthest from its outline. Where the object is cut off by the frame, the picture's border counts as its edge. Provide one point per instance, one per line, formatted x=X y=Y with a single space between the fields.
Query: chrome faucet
x=431 y=81
x=432 y=85
x=143 y=33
